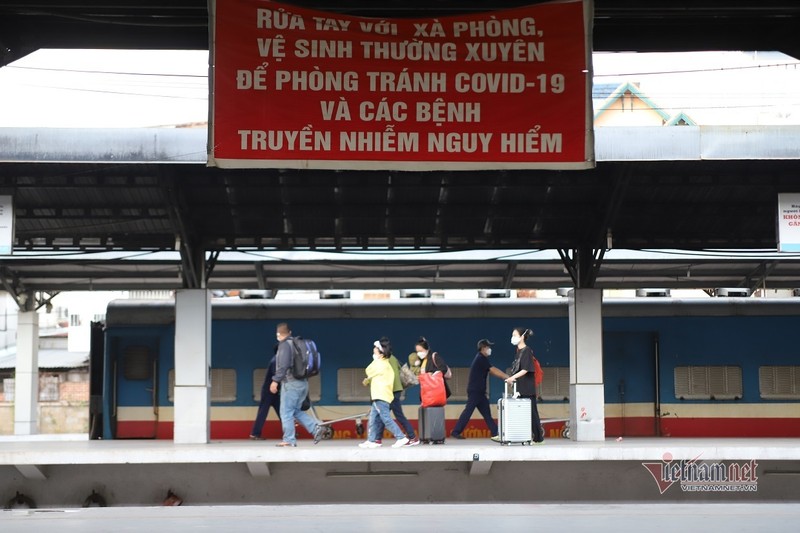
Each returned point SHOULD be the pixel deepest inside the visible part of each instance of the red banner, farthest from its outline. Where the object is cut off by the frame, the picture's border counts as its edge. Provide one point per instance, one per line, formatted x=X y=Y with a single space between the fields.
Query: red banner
x=296 y=88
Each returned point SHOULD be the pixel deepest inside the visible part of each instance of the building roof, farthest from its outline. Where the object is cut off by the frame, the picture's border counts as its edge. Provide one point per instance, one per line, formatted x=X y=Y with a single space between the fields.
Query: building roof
x=48 y=359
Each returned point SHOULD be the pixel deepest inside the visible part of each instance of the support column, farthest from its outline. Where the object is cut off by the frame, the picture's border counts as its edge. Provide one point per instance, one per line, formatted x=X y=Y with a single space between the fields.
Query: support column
x=587 y=402
x=26 y=377
x=192 y=366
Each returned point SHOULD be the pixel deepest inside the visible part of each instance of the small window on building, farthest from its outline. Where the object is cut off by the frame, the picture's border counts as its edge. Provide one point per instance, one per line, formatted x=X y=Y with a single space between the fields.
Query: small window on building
x=137 y=363
x=223 y=385
x=48 y=387
x=708 y=382
x=779 y=382
x=349 y=385
x=8 y=389
x=555 y=384
x=75 y=320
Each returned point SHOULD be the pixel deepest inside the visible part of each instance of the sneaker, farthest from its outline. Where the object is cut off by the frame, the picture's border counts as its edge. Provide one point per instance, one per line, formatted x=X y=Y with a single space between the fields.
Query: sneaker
x=369 y=444
x=284 y=444
x=458 y=436
x=379 y=441
x=401 y=442
x=413 y=442
x=256 y=437
x=496 y=438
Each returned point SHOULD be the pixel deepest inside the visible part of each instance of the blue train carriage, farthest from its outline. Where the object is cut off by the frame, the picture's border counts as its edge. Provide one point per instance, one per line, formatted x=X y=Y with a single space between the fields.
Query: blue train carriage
x=721 y=367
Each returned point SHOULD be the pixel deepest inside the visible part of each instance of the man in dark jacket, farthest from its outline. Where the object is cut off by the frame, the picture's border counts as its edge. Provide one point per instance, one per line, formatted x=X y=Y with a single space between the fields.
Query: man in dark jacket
x=476 y=390
x=268 y=399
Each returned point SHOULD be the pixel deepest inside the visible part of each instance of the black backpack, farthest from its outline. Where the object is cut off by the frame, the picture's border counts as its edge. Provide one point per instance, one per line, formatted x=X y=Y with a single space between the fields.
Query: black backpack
x=307 y=360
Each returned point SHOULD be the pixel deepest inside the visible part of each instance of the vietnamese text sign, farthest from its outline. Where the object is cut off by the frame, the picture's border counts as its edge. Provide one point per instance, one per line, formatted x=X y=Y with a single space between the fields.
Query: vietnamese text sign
x=298 y=88
x=789 y=222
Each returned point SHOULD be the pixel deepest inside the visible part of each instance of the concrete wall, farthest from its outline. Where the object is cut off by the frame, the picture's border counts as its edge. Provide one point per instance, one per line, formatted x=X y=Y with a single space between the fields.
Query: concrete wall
x=53 y=418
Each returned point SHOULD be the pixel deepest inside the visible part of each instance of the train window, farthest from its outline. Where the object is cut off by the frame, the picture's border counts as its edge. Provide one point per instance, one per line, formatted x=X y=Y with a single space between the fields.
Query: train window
x=349 y=385
x=223 y=385
x=779 y=382
x=708 y=382
x=555 y=384
x=458 y=384
x=136 y=363
x=314 y=385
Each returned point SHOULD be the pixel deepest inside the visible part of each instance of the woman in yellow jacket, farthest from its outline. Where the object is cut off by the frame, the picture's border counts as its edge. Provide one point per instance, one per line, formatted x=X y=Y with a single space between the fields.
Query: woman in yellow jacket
x=380 y=378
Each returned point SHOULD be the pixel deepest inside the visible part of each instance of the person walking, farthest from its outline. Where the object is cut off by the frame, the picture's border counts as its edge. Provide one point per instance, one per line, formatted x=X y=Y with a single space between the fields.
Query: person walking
x=268 y=399
x=396 y=407
x=476 y=390
x=523 y=372
x=293 y=389
x=380 y=378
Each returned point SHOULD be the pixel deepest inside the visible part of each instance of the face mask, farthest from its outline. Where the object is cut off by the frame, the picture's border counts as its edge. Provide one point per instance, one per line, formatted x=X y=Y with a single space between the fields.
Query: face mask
x=488 y=351
x=278 y=336
x=422 y=354
x=376 y=356
x=515 y=340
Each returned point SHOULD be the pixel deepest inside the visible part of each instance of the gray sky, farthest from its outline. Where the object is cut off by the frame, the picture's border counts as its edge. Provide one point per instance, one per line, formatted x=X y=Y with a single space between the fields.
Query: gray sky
x=124 y=88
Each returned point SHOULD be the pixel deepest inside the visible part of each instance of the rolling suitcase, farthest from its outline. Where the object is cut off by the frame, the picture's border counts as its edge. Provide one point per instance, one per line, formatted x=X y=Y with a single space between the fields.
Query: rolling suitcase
x=431 y=425
x=514 y=417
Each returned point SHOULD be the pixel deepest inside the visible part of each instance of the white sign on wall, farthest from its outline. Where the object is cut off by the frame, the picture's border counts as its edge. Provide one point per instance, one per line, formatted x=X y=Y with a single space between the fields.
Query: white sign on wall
x=6 y=225
x=789 y=222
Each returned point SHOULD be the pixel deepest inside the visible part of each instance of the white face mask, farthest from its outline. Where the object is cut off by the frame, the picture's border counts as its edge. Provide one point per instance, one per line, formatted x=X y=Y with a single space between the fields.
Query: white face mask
x=278 y=336
x=376 y=356
x=488 y=351
x=422 y=354
x=515 y=340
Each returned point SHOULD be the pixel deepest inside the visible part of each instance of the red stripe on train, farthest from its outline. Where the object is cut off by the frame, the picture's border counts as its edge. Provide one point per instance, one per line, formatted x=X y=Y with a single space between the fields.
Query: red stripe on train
x=615 y=427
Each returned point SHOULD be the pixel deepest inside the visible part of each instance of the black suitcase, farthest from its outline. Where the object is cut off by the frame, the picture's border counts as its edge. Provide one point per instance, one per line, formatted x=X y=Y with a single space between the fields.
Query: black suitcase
x=431 y=425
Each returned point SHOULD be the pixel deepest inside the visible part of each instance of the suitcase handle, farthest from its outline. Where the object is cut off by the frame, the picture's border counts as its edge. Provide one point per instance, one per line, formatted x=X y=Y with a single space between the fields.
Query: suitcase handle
x=514 y=394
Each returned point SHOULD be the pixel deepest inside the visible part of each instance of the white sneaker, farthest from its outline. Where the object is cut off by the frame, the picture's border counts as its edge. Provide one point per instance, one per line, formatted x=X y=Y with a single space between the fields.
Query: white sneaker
x=369 y=444
x=400 y=443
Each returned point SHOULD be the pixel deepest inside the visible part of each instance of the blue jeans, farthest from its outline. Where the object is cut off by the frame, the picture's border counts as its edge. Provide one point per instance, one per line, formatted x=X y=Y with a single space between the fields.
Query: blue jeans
x=267 y=400
x=481 y=403
x=380 y=411
x=397 y=409
x=292 y=395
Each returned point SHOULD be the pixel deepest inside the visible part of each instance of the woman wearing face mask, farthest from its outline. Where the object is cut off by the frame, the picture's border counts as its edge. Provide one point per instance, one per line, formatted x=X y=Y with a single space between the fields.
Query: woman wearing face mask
x=523 y=372
x=428 y=361
x=476 y=390
x=380 y=378
x=396 y=406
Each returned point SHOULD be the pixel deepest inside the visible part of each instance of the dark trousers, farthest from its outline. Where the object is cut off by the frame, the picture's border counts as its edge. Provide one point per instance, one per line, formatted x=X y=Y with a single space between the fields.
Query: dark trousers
x=481 y=403
x=396 y=407
x=267 y=400
x=536 y=423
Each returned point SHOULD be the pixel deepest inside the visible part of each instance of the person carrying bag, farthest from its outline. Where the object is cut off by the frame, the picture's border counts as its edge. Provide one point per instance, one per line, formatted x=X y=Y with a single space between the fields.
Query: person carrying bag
x=433 y=376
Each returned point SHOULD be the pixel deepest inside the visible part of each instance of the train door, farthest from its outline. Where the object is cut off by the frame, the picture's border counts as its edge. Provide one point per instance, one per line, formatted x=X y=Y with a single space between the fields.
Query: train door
x=629 y=374
x=135 y=388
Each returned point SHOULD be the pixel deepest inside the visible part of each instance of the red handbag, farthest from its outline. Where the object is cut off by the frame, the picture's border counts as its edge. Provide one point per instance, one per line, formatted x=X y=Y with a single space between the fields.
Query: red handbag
x=431 y=389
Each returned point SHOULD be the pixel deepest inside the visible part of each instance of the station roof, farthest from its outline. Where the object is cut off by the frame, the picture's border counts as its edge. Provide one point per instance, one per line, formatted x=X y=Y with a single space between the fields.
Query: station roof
x=102 y=209
x=694 y=189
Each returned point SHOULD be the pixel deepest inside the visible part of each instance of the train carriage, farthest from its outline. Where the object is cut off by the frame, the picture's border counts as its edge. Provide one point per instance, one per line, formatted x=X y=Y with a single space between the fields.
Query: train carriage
x=702 y=367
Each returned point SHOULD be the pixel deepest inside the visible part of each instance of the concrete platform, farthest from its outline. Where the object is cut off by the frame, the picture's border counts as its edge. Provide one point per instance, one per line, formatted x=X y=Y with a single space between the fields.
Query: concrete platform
x=64 y=474
x=43 y=452
x=620 y=518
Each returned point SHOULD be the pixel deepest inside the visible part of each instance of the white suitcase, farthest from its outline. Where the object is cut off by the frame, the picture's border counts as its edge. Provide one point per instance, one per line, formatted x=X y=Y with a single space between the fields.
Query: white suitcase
x=514 y=416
